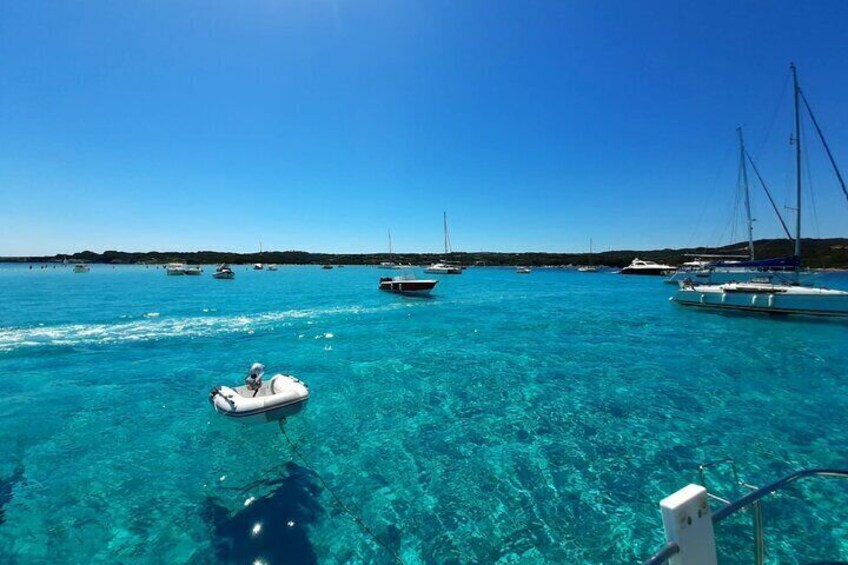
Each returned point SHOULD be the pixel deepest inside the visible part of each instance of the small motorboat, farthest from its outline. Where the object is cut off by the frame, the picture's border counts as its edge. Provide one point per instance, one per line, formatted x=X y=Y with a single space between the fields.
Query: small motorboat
x=224 y=272
x=279 y=397
x=407 y=284
x=328 y=267
x=523 y=270
x=258 y=266
x=272 y=267
x=193 y=270
x=81 y=268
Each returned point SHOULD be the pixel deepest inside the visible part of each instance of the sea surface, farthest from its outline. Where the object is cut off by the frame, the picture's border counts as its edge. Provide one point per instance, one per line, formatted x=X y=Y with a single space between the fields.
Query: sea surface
x=509 y=419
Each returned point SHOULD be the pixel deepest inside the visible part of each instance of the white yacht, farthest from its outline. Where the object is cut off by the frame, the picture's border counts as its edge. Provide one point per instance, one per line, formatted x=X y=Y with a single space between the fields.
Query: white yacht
x=523 y=270
x=443 y=269
x=258 y=266
x=642 y=267
x=193 y=270
x=272 y=267
x=175 y=269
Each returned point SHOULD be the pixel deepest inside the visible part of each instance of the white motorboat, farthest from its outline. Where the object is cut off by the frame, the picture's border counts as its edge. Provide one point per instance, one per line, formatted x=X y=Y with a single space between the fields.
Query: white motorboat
x=281 y=396
x=272 y=267
x=81 y=268
x=443 y=269
x=408 y=284
x=175 y=269
x=258 y=266
x=193 y=270
x=224 y=272
x=642 y=267
x=523 y=270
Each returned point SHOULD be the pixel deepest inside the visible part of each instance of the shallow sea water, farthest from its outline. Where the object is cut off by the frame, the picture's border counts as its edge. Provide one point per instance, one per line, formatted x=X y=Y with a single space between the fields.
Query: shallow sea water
x=509 y=419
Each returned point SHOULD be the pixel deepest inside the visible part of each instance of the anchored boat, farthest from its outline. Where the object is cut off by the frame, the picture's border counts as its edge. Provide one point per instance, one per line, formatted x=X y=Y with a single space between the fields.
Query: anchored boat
x=408 y=284
x=224 y=272
x=175 y=269
x=642 y=267
x=762 y=295
x=277 y=398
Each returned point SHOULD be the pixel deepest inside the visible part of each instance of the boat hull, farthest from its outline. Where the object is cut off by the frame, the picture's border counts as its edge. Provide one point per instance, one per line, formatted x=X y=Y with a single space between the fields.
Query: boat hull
x=825 y=303
x=224 y=276
x=649 y=271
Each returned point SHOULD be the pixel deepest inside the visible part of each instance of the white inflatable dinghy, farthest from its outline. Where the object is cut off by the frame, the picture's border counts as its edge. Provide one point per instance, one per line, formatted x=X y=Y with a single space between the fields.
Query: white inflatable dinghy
x=281 y=396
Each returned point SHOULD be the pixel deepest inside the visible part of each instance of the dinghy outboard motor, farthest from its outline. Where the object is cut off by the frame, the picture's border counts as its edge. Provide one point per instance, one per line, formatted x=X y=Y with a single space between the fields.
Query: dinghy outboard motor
x=253 y=380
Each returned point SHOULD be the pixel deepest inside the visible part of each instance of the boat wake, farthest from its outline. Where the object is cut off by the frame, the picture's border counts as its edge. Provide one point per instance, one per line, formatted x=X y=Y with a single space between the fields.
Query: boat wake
x=153 y=328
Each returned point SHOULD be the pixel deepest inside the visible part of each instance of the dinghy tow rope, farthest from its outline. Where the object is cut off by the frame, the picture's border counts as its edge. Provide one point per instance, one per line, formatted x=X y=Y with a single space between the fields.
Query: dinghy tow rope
x=355 y=517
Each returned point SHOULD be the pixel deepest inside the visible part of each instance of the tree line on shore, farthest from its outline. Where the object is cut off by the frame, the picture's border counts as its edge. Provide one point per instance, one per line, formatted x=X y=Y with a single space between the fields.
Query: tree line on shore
x=817 y=253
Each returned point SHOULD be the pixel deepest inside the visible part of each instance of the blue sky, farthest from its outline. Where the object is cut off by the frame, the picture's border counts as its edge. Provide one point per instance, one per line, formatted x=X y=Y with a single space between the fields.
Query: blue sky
x=317 y=125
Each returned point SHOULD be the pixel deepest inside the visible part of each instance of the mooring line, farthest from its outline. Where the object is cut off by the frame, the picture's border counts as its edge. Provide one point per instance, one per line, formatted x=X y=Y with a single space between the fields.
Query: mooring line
x=359 y=521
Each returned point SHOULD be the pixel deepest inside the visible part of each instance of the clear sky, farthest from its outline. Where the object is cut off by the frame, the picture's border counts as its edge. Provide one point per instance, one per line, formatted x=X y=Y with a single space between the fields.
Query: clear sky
x=318 y=125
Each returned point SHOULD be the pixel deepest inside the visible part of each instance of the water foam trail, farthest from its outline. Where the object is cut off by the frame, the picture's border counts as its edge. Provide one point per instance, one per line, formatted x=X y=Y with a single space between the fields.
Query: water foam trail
x=157 y=328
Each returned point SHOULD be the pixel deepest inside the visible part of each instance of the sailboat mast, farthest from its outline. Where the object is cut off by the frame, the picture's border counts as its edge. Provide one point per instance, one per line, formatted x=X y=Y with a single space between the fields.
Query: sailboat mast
x=744 y=172
x=390 y=244
x=590 y=250
x=797 y=163
x=447 y=240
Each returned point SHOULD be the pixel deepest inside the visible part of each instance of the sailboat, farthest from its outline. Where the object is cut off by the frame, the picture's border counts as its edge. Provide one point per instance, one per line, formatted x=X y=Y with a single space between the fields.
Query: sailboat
x=445 y=267
x=389 y=264
x=259 y=266
x=729 y=268
x=762 y=295
x=590 y=268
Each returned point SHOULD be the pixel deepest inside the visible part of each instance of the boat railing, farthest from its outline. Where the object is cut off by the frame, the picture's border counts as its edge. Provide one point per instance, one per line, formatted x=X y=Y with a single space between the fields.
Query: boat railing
x=689 y=523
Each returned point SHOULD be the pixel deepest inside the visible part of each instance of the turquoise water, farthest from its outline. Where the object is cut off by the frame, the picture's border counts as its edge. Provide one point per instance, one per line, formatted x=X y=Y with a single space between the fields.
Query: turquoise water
x=512 y=419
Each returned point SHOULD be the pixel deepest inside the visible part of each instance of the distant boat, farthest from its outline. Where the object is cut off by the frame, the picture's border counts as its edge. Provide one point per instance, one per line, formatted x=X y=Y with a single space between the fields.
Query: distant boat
x=408 y=284
x=523 y=270
x=81 y=268
x=328 y=267
x=193 y=270
x=445 y=267
x=258 y=266
x=272 y=267
x=763 y=295
x=224 y=272
x=175 y=269
x=642 y=267
x=389 y=264
x=590 y=268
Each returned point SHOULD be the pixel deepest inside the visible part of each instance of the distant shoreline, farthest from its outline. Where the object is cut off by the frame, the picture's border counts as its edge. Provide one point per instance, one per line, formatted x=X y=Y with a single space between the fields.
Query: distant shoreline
x=817 y=253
